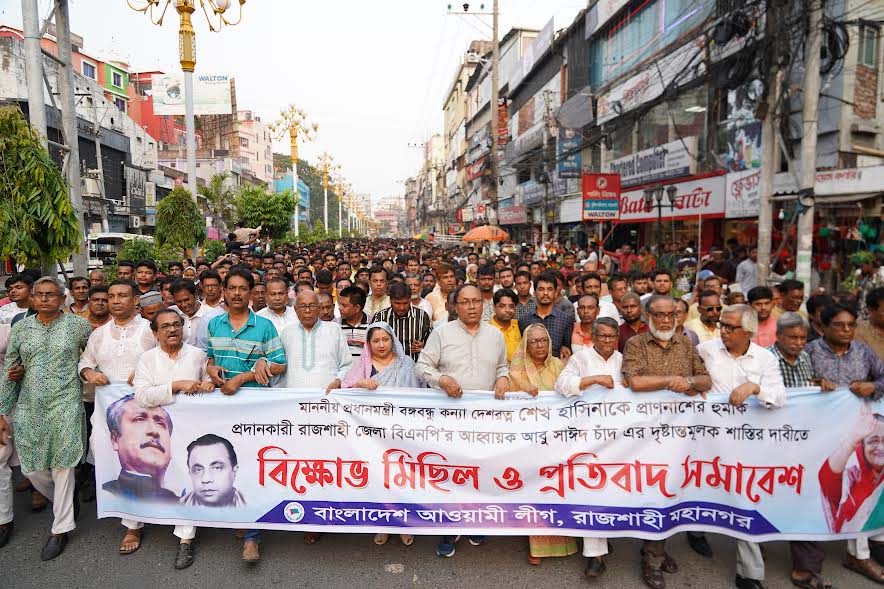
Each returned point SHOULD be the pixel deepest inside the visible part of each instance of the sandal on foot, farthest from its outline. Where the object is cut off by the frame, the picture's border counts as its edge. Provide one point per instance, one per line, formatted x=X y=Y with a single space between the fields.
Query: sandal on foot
x=131 y=542
x=379 y=539
x=407 y=539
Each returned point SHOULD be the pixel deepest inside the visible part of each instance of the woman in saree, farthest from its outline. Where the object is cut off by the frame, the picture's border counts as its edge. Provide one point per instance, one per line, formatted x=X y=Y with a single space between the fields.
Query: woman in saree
x=383 y=363
x=534 y=369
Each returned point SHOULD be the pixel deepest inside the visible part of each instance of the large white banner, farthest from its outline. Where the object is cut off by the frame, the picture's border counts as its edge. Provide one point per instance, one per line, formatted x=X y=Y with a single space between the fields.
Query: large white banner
x=211 y=94
x=610 y=463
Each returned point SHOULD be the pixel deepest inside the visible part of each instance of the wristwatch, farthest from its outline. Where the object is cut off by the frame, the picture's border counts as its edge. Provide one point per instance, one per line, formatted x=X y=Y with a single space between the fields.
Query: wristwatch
x=690 y=382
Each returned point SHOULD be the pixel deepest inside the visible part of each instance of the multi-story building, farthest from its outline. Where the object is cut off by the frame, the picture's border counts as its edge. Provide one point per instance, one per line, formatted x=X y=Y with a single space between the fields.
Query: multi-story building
x=128 y=153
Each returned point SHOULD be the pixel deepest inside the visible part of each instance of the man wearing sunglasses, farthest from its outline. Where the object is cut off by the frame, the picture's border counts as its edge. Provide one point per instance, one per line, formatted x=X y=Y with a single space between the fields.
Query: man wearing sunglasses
x=706 y=325
x=743 y=369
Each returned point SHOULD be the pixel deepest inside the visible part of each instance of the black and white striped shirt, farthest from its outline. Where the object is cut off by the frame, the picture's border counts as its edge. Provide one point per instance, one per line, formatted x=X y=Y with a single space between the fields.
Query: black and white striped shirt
x=416 y=325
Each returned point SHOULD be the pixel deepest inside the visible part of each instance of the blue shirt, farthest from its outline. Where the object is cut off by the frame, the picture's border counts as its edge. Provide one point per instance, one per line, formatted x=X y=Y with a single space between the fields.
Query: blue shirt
x=238 y=351
x=859 y=363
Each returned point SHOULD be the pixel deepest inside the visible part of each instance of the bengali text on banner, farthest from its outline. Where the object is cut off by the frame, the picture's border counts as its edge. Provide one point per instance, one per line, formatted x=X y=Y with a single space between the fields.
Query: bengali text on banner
x=609 y=463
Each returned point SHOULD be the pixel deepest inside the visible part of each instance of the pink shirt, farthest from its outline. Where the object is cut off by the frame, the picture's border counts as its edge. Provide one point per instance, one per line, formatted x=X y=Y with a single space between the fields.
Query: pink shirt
x=767 y=333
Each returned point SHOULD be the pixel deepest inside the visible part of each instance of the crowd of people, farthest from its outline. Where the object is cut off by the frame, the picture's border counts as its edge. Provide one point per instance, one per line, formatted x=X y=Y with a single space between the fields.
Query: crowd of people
x=394 y=313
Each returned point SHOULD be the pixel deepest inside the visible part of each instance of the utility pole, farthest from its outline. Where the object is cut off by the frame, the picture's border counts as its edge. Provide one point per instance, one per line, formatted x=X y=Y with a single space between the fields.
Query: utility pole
x=809 y=121
x=102 y=195
x=544 y=228
x=34 y=68
x=495 y=104
x=69 y=123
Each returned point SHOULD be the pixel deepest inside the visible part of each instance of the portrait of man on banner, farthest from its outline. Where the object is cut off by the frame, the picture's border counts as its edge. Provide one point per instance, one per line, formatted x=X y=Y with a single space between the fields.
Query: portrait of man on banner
x=850 y=480
x=213 y=465
x=142 y=438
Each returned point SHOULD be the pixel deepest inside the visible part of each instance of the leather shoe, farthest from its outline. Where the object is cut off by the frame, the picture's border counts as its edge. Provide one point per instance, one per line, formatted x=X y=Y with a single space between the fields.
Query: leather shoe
x=250 y=552
x=184 y=558
x=868 y=568
x=700 y=544
x=5 y=533
x=744 y=583
x=595 y=566
x=877 y=551
x=38 y=501
x=652 y=577
x=54 y=546
x=669 y=565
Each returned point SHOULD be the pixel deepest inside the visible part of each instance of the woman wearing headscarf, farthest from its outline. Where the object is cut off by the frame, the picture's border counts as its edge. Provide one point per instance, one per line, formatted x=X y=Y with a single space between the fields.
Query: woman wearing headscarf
x=383 y=363
x=534 y=369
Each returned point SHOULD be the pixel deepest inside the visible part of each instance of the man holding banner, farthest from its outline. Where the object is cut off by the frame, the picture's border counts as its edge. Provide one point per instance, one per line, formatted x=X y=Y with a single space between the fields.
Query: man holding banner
x=465 y=353
x=244 y=351
x=598 y=365
x=172 y=368
x=743 y=369
x=654 y=360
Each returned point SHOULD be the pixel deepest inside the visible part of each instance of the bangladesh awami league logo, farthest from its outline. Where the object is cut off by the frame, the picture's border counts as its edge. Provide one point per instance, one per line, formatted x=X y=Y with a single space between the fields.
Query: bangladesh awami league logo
x=294 y=512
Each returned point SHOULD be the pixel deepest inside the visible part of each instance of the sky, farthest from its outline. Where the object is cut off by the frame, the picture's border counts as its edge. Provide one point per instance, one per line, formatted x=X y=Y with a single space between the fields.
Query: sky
x=372 y=75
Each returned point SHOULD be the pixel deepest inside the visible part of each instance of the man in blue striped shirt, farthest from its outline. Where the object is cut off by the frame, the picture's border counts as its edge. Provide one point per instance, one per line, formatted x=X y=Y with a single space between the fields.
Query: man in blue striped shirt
x=244 y=351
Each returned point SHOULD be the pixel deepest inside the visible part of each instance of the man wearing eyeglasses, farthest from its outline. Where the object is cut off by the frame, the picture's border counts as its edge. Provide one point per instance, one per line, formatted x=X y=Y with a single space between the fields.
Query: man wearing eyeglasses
x=837 y=357
x=172 y=368
x=743 y=369
x=463 y=354
x=597 y=367
x=654 y=360
x=318 y=351
x=706 y=325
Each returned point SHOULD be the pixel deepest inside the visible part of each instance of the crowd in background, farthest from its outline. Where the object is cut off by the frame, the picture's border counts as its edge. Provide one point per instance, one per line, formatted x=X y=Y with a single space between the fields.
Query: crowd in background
x=365 y=314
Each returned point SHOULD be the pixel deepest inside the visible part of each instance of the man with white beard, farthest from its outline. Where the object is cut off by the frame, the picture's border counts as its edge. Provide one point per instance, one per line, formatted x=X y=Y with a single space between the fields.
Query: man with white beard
x=659 y=359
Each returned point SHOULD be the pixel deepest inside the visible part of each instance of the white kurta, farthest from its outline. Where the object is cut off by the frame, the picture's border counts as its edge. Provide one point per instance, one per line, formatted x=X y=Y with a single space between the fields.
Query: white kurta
x=156 y=371
x=588 y=362
x=196 y=328
x=115 y=349
x=316 y=357
x=280 y=322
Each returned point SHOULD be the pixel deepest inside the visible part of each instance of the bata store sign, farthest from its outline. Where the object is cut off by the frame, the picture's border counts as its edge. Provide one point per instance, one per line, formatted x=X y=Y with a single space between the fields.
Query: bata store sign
x=696 y=197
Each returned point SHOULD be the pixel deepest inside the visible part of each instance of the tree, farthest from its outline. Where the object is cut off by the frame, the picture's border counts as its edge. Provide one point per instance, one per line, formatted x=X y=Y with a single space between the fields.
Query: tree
x=38 y=223
x=312 y=177
x=179 y=221
x=220 y=196
x=255 y=206
x=214 y=249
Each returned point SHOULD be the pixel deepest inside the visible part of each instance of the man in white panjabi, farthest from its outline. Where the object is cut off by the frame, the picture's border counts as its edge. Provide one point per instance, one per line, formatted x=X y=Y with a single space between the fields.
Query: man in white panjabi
x=112 y=354
x=599 y=365
x=172 y=368
x=320 y=356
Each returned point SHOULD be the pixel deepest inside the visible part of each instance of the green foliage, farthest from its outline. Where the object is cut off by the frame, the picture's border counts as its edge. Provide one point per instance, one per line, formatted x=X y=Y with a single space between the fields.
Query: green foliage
x=37 y=220
x=312 y=177
x=214 y=249
x=256 y=206
x=141 y=249
x=137 y=249
x=179 y=221
x=220 y=197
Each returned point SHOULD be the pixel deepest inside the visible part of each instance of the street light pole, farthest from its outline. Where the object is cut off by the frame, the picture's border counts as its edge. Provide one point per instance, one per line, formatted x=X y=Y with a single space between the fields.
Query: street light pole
x=187 y=58
x=294 y=121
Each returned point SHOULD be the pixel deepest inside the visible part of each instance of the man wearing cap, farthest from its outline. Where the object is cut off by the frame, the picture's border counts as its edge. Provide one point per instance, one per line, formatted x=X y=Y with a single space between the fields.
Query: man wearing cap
x=150 y=304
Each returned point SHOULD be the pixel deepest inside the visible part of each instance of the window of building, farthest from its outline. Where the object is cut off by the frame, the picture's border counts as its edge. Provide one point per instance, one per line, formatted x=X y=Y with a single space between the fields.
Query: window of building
x=120 y=104
x=243 y=142
x=89 y=71
x=868 y=45
x=244 y=161
x=117 y=80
